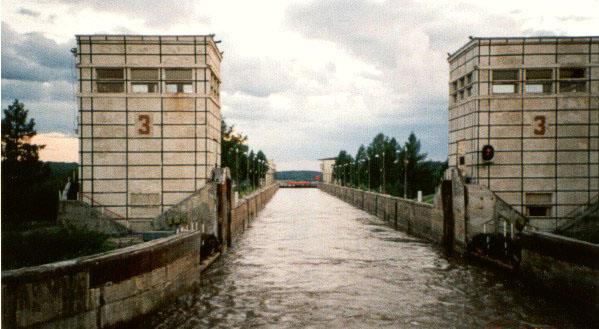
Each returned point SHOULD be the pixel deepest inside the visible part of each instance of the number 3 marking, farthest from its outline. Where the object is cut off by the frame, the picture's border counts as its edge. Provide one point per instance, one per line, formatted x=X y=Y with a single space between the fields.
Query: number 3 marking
x=144 y=119
x=539 y=127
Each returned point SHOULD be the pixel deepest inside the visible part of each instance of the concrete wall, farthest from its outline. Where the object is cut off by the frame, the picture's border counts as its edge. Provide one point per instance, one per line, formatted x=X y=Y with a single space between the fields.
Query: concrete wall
x=248 y=207
x=562 y=265
x=419 y=219
x=111 y=289
x=102 y=290
x=81 y=215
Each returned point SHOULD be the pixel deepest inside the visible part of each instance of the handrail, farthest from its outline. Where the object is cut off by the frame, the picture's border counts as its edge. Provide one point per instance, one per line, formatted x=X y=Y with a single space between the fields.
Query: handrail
x=99 y=205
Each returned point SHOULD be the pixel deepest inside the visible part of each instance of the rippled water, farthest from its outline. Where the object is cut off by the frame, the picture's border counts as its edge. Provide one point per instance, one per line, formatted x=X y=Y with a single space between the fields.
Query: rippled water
x=311 y=260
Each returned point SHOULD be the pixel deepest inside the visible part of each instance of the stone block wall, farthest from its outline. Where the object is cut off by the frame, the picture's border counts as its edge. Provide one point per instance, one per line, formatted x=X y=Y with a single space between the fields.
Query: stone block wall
x=419 y=219
x=562 y=265
x=248 y=207
x=100 y=291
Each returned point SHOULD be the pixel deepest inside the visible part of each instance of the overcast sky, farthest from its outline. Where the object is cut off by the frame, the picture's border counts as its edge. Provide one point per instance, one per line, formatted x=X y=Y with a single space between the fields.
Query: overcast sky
x=304 y=79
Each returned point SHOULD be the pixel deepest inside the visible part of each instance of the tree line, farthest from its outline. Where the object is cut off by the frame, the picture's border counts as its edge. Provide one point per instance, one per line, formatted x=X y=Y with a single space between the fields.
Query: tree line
x=248 y=168
x=29 y=192
x=389 y=167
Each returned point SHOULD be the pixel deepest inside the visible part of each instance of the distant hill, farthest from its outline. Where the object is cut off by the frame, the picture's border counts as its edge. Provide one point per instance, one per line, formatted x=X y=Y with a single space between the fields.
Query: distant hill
x=299 y=175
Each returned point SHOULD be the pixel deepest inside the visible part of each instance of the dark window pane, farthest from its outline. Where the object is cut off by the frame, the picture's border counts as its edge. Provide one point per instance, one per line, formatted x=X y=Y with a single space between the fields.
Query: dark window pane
x=178 y=74
x=109 y=74
x=538 y=74
x=571 y=73
x=144 y=74
x=572 y=86
x=110 y=87
x=505 y=75
x=538 y=211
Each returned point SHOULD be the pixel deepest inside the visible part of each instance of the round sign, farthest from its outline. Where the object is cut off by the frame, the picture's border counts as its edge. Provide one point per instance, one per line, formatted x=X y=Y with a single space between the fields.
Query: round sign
x=488 y=152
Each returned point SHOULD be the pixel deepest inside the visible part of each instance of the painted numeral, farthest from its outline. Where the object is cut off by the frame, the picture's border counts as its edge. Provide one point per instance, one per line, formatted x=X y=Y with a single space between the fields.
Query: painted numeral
x=144 y=124
x=539 y=126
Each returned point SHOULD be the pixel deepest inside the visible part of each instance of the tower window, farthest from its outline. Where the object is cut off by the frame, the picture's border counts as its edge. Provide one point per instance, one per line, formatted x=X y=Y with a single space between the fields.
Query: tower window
x=572 y=80
x=505 y=81
x=179 y=81
x=110 y=80
x=538 y=204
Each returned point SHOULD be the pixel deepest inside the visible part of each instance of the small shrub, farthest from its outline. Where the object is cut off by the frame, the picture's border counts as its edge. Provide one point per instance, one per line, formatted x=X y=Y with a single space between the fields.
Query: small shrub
x=176 y=218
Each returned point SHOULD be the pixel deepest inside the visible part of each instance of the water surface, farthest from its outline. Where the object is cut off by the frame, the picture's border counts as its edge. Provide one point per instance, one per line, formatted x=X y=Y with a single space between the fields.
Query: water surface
x=311 y=260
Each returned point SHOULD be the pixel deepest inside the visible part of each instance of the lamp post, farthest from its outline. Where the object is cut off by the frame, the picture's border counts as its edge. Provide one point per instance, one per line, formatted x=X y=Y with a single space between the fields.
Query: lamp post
x=333 y=178
x=382 y=172
x=383 y=190
x=368 y=171
x=376 y=156
x=405 y=178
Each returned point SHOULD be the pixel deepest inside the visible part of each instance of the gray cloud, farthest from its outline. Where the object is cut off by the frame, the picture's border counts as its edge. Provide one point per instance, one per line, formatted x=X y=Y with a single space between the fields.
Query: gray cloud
x=31 y=56
x=255 y=76
x=28 y=12
x=39 y=72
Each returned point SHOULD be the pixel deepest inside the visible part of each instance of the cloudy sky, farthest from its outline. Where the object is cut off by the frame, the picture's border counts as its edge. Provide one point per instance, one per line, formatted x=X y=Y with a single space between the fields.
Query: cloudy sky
x=303 y=79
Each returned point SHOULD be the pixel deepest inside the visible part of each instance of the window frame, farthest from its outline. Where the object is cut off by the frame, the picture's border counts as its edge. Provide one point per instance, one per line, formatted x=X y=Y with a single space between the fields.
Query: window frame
x=542 y=82
x=502 y=82
x=581 y=81
x=179 y=83
x=103 y=81
x=536 y=205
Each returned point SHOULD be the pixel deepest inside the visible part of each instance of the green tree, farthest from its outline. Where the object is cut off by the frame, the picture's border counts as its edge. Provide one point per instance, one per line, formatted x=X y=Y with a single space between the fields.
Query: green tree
x=342 y=170
x=261 y=165
x=382 y=153
x=361 y=165
x=27 y=194
x=232 y=152
x=415 y=170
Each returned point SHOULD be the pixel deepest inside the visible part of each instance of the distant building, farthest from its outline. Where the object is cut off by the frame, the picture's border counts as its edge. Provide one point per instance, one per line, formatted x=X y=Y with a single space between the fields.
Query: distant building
x=326 y=166
x=149 y=121
x=270 y=174
x=524 y=121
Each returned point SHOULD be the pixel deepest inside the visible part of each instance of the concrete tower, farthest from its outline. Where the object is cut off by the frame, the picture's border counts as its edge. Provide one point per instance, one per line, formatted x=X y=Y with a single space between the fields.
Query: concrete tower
x=535 y=102
x=149 y=121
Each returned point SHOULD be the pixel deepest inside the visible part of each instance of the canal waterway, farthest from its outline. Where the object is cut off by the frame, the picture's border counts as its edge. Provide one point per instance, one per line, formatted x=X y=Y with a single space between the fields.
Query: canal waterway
x=311 y=260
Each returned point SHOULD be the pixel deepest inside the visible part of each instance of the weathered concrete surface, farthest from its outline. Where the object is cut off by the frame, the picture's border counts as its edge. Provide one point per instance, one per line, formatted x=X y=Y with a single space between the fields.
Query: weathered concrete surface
x=83 y=216
x=417 y=218
x=101 y=290
x=248 y=207
x=561 y=264
x=114 y=288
